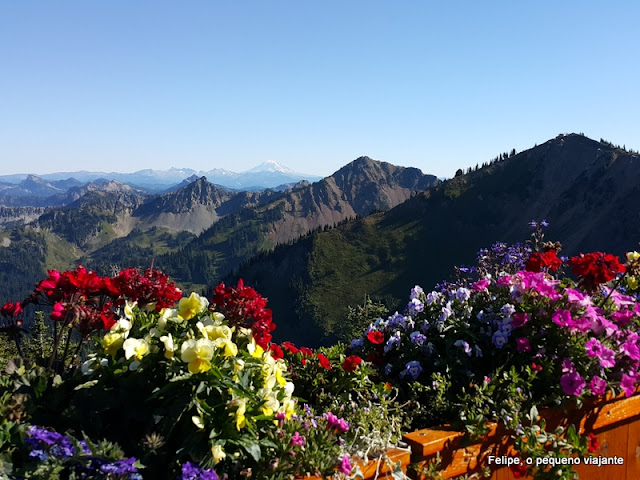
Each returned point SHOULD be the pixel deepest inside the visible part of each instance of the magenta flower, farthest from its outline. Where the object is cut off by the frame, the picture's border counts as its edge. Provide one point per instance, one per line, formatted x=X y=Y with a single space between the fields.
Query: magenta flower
x=623 y=317
x=345 y=465
x=519 y=319
x=298 y=439
x=480 y=285
x=343 y=425
x=597 y=386
x=628 y=384
x=631 y=349
x=572 y=383
x=523 y=345
x=562 y=318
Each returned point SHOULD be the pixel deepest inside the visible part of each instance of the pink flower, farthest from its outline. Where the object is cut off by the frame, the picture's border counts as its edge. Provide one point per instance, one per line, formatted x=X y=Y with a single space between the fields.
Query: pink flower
x=298 y=439
x=342 y=425
x=562 y=318
x=623 y=317
x=523 y=345
x=631 y=349
x=345 y=465
x=480 y=285
x=578 y=298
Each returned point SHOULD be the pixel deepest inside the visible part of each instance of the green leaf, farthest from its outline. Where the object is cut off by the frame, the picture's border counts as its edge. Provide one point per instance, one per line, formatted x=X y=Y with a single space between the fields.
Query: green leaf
x=253 y=449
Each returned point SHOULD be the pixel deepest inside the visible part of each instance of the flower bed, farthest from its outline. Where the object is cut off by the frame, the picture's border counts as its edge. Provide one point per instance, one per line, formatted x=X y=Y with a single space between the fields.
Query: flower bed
x=137 y=379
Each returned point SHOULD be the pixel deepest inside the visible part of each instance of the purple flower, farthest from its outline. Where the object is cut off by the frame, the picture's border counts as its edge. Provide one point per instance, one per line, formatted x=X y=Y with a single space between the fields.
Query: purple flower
x=44 y=443
x=415 y=306
x=499 y=339
x=417 y=338
x=120 y=467
x=572 y=383
x=414 y=369
x=191 y=471
x=416 y=292
x=628 y=385
x=597 y=386
x=465 y=346
x=345 y=465
x=463 y=294
x=433 y=297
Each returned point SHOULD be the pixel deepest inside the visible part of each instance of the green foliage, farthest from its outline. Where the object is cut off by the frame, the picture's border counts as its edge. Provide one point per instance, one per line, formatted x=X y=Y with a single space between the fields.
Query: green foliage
x=360 y=317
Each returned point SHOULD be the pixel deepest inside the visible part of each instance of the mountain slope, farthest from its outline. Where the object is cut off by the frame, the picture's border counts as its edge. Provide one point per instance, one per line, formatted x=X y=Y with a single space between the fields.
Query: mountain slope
x=588 y=191
x=358 y=188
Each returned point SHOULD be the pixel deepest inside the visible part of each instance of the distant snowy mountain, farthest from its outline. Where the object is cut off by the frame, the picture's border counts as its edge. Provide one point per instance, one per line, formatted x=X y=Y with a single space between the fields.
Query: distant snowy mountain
x=266 y=175
x=270 y=166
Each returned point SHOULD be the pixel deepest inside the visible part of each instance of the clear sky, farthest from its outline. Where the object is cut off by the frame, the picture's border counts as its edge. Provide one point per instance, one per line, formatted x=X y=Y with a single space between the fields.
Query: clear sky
x=122 y=85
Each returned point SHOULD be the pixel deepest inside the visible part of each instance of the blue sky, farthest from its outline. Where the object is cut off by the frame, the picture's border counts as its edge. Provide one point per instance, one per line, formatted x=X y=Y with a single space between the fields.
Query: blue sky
x=122 y=85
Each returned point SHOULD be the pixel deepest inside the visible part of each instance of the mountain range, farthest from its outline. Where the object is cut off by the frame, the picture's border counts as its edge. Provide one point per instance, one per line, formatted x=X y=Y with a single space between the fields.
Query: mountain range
x=197 y=233
x=49 y=189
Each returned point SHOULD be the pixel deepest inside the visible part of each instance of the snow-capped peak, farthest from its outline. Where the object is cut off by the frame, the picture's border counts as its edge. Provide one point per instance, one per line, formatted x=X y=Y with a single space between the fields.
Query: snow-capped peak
x=270 y=166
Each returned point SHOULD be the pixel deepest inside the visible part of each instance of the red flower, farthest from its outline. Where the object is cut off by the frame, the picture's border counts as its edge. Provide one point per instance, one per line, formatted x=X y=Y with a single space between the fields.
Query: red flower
x=11 y=309
x=152 y=287
x=351 y=363
x=58 y=313
x=276 y=351
x=518 y=470
x=290 y=347
x=324 y=361
x=306 y=352
x=548 y=261
x=595 y=268
x=375 y=337
x=592 y=442
x=535 y=367
x=245 y=307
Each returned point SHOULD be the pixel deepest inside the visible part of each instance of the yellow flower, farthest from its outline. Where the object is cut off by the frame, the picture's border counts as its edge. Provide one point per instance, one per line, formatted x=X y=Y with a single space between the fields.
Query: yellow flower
x=198 y=354
x=271 y=403
x=121 y=326
x=169 y=347
x=191 y=306
x=241 y=409
x=230 y=348
x=217 y=453
x=255 y=350
x=632 y=283
x=213 y=331
x=112 y=342
x=128 y=309
x=633 y=256
x=135 y=348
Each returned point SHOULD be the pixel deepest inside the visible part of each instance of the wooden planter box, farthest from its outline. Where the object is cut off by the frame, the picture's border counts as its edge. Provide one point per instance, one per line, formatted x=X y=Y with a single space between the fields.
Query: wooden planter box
x=616 y=422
